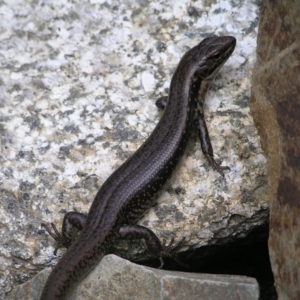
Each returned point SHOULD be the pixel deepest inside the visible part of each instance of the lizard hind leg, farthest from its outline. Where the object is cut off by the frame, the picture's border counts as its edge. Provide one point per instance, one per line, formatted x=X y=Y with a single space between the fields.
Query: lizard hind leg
x=161 y=250
x=72 y=220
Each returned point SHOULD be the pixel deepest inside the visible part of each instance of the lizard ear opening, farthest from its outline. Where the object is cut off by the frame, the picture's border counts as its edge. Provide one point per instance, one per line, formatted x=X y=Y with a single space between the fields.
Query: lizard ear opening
x=204 y=70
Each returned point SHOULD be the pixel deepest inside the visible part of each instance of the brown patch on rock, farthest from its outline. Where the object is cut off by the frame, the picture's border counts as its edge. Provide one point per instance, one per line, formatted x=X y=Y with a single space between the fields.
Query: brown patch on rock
x=275 y=104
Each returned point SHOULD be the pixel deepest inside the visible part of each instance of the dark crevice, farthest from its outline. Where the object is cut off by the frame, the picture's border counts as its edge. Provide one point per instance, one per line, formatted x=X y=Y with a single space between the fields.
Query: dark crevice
x=247 y=256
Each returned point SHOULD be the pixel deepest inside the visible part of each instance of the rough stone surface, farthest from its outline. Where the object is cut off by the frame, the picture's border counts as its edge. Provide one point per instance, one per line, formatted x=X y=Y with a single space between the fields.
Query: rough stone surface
x=116 y=278
x=275 y=103
x=78 y=84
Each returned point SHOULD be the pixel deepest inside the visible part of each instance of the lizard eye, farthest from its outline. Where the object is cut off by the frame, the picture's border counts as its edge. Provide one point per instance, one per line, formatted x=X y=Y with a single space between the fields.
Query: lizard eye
x=216 y=56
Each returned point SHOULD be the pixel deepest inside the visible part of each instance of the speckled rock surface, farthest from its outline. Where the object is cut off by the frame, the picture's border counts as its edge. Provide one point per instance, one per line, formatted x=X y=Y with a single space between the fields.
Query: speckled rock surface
x=111 y=277
x=79 y=82
x=275 y=103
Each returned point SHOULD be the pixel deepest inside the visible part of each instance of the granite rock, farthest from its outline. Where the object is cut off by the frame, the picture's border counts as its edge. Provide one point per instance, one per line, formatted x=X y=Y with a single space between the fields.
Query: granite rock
x=78 y=86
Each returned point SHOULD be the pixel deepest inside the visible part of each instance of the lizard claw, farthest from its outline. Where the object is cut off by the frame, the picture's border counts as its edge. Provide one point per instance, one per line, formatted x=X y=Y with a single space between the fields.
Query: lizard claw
x=217 y=165
x=168 y=251
x=62 y=242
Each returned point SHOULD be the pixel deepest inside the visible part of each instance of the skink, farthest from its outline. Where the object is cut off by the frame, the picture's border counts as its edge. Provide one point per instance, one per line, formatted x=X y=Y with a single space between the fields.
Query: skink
x=134 y=187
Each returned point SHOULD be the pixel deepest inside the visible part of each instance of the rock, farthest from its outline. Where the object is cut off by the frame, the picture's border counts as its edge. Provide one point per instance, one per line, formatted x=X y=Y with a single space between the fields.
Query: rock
x=116 y=278
x=275 y=103
x=78 y=86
